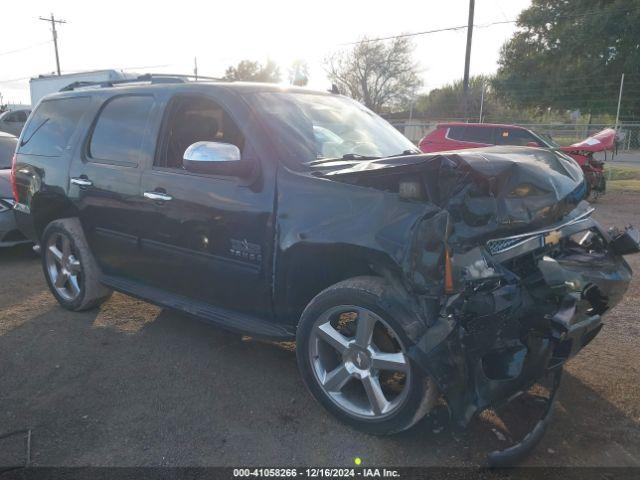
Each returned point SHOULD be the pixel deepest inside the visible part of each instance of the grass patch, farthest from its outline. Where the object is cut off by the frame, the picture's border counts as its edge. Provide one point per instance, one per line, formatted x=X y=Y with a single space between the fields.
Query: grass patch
x=622 y=178
x=624 y=185
x=615 y=172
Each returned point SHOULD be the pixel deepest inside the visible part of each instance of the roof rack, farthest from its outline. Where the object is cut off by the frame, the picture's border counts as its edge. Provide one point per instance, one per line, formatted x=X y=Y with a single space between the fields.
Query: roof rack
x=147 y=77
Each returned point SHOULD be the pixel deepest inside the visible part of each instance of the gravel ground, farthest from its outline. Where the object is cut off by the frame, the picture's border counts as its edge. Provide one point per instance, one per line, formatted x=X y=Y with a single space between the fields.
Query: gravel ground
x=131 y=384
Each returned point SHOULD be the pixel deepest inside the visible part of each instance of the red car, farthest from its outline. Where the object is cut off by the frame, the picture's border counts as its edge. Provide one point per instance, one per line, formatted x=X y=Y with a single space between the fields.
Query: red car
x=457 y=136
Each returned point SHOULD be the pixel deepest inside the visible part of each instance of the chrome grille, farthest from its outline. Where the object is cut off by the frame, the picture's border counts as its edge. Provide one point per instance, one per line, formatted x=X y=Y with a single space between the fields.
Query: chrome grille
x=502 y=244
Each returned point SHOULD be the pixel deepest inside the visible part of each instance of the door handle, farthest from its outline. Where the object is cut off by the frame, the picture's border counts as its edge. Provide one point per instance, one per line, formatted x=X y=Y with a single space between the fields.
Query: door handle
x=82 y=182
x=158 y=196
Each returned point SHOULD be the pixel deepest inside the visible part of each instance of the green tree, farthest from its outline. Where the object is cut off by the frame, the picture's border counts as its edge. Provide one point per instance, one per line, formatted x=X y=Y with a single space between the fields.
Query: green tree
x=250 y=71
x=447 y=102
x=570 y=55
x=381 y=74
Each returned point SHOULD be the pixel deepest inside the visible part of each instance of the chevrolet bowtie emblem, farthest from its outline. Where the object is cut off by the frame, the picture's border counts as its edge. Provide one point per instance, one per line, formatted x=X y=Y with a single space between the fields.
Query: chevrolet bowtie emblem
x=552 y=238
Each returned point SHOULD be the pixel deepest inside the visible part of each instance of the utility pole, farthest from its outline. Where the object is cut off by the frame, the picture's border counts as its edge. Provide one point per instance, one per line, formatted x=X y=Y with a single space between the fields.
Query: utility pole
x=55 y=37
x=481 y=103
x=467 y=59
x=195 y=67
x=619 y=102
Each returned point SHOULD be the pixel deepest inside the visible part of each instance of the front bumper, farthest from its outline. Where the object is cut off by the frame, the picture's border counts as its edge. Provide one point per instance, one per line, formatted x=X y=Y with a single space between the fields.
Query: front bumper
x=536 y=303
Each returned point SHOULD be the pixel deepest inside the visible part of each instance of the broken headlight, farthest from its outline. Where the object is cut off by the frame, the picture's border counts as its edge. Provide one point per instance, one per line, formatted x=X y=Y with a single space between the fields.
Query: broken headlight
x=526 y=190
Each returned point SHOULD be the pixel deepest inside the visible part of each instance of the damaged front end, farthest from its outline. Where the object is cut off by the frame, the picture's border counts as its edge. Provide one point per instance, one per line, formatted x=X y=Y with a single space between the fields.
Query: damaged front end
x=525 y=304
x=531 y=272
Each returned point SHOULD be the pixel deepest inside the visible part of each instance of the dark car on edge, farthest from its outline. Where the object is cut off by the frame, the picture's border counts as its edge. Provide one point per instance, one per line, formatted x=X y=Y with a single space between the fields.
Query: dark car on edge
x=285 y=213
x=9 y=233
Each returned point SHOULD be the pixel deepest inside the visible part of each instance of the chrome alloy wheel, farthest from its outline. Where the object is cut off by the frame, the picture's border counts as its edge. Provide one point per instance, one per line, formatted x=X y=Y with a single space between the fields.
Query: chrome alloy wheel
x=63 y=267
x=359 y=362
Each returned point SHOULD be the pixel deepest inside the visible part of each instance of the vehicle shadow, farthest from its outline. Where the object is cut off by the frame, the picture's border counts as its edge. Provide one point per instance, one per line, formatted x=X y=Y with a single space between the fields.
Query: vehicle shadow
x=587 y=430
x=115 y=386
x=583 y=417
x=17 y=254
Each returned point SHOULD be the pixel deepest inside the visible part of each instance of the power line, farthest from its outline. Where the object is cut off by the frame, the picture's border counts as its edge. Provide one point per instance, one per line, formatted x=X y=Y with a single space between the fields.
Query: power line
x=483 y=25
x=426 y=32
x=9 y=80
x=22 y=49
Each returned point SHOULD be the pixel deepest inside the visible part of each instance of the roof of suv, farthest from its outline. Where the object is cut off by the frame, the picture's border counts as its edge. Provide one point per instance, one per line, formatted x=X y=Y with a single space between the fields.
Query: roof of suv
x=240 y=87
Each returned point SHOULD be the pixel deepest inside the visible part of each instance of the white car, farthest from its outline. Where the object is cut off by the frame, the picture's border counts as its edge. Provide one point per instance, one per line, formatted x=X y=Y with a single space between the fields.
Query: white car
x=13 y=121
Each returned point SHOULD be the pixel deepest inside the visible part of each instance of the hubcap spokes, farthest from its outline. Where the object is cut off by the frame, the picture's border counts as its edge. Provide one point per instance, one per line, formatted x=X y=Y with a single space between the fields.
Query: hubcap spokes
x=338 y=360
x=63 y=266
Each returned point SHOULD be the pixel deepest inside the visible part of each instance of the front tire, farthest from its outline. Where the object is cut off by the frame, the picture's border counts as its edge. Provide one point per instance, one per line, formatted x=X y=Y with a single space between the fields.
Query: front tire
x=69 y=267
x=352 y=355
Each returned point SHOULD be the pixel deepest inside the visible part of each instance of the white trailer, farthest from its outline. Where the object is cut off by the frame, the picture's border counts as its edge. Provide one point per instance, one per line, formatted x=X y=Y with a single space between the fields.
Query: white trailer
x=46 y=84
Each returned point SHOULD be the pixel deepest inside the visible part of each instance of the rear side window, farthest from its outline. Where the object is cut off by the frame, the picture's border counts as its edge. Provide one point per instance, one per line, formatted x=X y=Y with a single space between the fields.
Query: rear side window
x=51 y=127
x=119 y=132
x=471 y=134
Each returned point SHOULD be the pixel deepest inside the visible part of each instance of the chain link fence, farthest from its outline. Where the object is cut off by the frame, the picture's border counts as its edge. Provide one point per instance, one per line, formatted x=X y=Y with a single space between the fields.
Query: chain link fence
x=564 y=134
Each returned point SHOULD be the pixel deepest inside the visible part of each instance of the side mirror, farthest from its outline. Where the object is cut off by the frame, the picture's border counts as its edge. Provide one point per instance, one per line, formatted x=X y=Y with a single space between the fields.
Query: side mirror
x=214 y=158
x=533 y=144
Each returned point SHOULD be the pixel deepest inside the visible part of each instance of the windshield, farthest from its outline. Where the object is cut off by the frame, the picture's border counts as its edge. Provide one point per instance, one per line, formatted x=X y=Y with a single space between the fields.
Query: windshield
x=311 y=127
x=548 y=139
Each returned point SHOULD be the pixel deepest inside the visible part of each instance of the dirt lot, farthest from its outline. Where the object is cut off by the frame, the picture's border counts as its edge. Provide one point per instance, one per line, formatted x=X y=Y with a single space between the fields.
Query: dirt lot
x=131 y=384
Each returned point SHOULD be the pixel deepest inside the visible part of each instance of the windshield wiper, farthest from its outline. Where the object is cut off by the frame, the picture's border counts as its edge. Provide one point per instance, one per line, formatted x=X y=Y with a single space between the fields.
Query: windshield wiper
x=346 y=156
x=24 y=141
x=357 y=156
x=406 y=152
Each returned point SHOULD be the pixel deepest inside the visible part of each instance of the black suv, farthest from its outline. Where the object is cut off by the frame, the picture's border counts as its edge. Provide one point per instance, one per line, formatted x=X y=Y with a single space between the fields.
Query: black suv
x=283 y=213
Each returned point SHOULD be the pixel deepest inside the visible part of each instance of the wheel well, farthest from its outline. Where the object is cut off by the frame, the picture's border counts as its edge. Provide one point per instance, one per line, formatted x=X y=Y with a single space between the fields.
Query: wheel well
x=46 y=209
x=308 y=270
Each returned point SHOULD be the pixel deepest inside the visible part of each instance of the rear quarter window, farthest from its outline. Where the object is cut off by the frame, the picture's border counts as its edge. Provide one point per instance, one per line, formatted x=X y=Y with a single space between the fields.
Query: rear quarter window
x=472 y=134
x=49 y=131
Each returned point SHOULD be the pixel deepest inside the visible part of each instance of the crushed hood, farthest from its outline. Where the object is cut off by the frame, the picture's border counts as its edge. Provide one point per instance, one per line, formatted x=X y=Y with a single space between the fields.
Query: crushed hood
x=599 y=142
x=487 y=192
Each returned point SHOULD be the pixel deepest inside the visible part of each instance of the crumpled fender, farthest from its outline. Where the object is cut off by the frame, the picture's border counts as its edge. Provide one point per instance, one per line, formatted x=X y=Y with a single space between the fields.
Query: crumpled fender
x=598 y=142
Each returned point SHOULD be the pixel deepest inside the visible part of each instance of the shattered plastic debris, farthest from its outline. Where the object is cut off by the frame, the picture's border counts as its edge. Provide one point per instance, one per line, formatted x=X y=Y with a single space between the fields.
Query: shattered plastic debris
x=480 y=269
x=499 y=435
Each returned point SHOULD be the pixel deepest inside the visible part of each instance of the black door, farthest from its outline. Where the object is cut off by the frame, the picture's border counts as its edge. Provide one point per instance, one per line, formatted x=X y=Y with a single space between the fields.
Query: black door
x=105 y=180
x=207 y=237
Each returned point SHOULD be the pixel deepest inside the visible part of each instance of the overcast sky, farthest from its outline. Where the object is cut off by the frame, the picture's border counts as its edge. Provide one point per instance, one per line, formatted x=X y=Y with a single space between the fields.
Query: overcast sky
x=166 y=36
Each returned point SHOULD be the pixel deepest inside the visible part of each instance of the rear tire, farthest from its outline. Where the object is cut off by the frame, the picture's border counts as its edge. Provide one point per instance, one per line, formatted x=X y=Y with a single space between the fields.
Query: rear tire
x=71 y=271
x=352 y=356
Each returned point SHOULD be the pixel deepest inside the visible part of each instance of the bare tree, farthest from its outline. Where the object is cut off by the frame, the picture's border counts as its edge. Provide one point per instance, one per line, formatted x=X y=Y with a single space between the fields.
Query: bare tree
x=381 y=74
